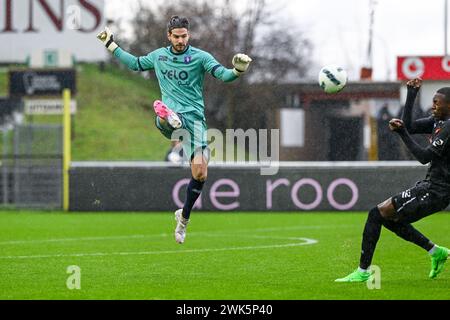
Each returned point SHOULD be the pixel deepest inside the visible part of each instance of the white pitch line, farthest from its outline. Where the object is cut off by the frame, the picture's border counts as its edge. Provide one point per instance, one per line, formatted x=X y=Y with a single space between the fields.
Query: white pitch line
x=306 y=241
x=135 y=236
x=141 y=236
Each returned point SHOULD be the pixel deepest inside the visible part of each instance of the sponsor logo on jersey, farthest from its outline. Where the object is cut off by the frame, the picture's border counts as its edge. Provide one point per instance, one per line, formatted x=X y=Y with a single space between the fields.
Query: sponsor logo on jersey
x=438 y=143
x=175 y=75
x=182 y=77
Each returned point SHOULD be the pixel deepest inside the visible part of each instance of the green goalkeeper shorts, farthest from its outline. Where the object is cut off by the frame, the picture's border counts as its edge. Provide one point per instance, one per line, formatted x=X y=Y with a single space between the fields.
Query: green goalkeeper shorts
x=192 y=134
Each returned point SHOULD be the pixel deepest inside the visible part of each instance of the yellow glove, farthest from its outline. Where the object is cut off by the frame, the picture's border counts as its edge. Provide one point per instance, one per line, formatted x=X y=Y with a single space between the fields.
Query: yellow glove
x=241 y=62
x=107 y=38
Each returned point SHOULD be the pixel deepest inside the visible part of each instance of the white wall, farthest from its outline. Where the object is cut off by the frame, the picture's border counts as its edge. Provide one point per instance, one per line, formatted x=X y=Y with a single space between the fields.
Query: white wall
x=71 y=25
x=427 y=92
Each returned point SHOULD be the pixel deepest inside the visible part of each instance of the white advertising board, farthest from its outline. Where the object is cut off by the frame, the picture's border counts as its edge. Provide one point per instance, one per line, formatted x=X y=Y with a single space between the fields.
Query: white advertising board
x=27 y=26
x=48 y=107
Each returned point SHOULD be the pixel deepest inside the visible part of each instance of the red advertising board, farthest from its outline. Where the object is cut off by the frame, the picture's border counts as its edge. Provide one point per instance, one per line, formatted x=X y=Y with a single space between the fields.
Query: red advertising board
x=427 y=68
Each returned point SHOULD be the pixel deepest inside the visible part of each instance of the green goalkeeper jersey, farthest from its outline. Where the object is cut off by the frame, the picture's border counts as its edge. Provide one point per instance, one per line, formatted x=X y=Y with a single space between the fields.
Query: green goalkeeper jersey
x=180 y=75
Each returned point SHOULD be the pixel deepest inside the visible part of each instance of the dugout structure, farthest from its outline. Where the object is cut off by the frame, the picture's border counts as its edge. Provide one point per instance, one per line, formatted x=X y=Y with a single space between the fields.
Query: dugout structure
x=31 y=170
x=315 y=126
x=35 y=164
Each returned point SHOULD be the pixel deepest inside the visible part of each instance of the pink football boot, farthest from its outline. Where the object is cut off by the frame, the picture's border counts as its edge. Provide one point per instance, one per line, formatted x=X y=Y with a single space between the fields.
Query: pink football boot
x=165 y=113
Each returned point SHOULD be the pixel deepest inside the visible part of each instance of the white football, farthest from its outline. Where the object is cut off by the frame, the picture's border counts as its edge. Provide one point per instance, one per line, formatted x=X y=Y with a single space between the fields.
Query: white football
x=332 y=78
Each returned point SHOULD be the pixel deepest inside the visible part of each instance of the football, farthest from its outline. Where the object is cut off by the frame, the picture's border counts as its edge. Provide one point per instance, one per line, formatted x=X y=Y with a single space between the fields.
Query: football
x=332 y=78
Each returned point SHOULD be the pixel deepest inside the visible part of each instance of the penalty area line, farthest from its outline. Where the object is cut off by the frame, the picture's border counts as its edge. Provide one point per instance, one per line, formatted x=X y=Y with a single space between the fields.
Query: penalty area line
x=305 y=241
x=164 y=235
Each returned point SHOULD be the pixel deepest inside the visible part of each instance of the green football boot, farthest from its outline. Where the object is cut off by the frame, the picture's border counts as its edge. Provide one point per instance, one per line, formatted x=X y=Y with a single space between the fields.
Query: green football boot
x=437 y=261
x=356 y=276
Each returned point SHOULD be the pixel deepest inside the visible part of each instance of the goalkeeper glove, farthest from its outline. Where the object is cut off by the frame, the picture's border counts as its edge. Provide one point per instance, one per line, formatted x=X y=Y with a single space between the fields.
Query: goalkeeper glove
x=107 y=38
x=241 y=62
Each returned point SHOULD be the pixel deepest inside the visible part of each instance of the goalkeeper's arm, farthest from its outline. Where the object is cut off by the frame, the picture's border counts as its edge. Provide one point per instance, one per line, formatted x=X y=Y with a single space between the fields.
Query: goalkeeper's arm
x=241 y=63
x=132 y=62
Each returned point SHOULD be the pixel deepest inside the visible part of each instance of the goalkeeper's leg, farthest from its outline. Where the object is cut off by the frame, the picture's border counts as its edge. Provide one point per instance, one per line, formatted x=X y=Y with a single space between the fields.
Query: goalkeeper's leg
x=166 y=117
x=199 y=170
x=164 y=128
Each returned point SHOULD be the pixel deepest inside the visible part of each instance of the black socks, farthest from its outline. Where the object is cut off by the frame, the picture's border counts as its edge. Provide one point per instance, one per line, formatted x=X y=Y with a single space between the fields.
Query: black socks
x=193 y=192
x=409 y=233
x=372 y=231
x=371 y=235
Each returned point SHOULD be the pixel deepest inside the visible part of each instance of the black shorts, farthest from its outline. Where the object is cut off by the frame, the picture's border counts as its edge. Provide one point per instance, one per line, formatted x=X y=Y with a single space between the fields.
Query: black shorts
x=417 y=202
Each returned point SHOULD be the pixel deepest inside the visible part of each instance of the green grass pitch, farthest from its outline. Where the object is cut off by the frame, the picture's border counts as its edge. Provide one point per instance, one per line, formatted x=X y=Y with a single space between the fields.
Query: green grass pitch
x=238 y=256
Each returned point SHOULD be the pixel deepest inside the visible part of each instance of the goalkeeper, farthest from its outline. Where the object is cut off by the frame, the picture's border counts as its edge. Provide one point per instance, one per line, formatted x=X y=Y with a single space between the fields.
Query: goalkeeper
x=180 y=69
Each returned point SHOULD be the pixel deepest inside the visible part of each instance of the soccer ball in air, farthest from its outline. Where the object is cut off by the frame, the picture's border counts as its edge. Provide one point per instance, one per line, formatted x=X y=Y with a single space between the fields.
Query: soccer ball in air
x=332 y=78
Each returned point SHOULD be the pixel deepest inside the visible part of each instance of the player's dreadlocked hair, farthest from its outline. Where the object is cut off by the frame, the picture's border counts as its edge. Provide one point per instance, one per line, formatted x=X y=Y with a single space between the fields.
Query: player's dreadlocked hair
x=446 y=92
x=177 y=22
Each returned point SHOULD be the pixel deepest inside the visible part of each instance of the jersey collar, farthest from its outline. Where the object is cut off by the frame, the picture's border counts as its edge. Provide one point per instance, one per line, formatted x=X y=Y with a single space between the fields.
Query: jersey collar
x=179 y=53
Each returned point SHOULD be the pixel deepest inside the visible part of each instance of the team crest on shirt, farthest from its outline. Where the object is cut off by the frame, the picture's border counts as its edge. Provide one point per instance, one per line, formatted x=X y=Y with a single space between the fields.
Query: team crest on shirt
x=162 y=58
x=437 y=131
x=187 y=59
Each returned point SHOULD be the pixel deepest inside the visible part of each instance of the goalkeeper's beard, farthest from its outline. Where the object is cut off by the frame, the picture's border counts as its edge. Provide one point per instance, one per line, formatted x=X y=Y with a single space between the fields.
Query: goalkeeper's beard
x=179 y=48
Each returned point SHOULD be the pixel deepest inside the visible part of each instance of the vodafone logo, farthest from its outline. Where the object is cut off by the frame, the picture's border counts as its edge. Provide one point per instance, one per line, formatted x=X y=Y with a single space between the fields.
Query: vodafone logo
x=446 y=64
x=413 y=68
x=425 y=67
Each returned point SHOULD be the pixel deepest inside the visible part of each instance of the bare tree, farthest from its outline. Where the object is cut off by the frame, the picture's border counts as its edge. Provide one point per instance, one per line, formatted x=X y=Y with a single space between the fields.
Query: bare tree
x=279 y=53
